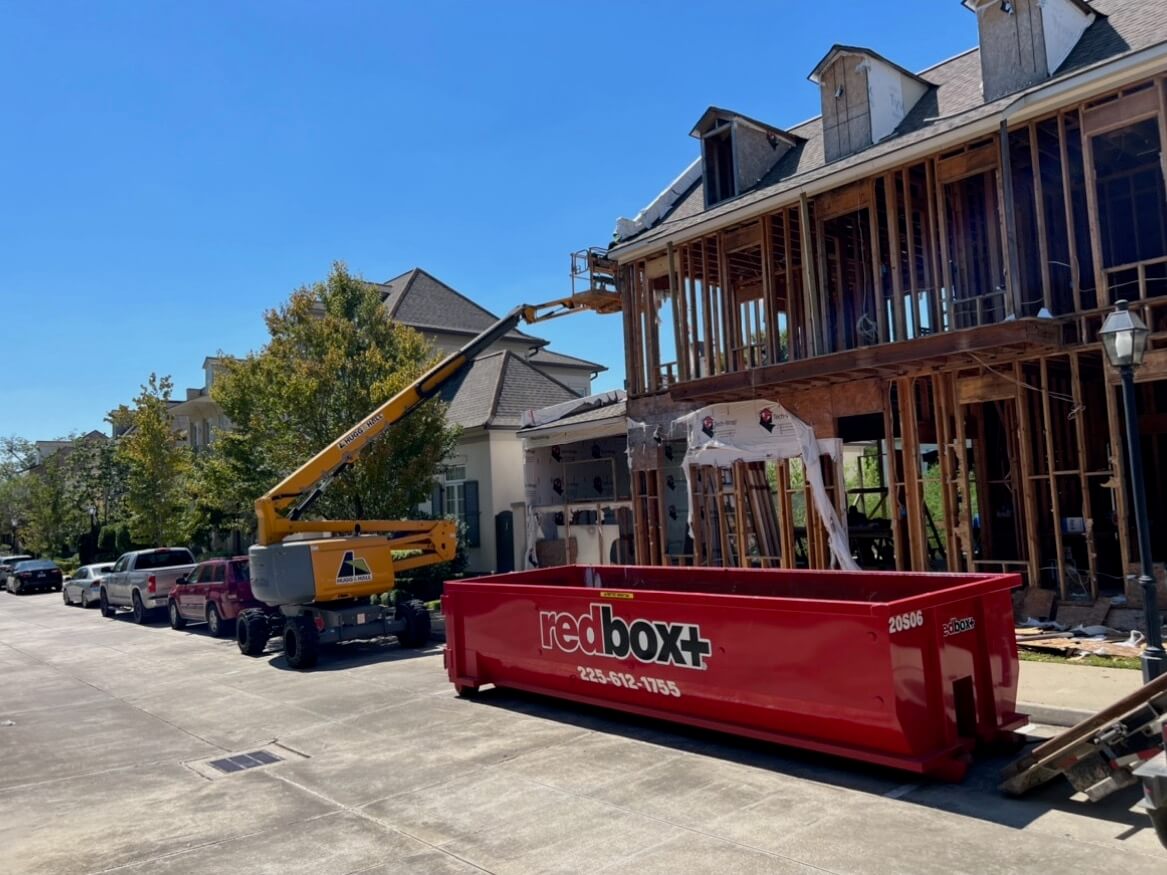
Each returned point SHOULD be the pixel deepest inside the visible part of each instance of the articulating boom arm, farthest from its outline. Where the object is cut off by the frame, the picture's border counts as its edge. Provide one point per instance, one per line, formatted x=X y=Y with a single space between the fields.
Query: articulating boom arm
x=297 y=492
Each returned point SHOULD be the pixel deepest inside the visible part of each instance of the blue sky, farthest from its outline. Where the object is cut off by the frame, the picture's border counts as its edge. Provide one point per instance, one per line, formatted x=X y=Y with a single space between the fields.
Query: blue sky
x=170 y=170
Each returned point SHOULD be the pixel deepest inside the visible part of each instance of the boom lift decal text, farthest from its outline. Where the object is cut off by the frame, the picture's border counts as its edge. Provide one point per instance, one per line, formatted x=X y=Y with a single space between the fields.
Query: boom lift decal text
x=358 y=431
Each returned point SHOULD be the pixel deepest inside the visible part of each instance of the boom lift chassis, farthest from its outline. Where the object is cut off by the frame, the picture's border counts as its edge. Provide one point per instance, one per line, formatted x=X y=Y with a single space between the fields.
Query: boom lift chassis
x=323 y=575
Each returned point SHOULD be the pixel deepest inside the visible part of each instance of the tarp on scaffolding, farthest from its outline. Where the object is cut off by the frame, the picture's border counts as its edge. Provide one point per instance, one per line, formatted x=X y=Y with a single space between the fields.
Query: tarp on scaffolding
x=764 y=431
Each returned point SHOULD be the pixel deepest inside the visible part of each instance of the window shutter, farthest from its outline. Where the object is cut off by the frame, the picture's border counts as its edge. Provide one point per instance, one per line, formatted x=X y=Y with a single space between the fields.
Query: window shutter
x=437 y=509
x=472 y=533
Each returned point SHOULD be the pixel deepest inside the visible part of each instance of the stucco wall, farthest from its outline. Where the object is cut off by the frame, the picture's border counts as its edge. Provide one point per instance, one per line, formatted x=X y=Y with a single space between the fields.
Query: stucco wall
x=892 y=96
x=1063 y=24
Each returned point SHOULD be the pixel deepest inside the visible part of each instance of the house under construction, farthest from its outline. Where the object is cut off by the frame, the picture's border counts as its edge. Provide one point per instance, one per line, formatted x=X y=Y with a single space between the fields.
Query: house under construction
x=919 y=275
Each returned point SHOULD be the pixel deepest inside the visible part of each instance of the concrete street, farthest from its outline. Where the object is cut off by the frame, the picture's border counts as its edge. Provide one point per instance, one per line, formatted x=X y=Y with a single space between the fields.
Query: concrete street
x=106 y=729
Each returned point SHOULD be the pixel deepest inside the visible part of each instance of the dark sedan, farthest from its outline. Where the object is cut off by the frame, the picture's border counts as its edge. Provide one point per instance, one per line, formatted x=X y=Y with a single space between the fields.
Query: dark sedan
x=32 y=575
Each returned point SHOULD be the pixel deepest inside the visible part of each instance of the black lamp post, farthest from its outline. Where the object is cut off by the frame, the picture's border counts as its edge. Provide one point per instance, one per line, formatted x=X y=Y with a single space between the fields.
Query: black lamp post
x=1124 y=337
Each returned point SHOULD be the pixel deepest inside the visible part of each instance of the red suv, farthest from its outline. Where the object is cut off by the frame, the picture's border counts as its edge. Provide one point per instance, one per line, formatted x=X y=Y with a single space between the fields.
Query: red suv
x=215 y=592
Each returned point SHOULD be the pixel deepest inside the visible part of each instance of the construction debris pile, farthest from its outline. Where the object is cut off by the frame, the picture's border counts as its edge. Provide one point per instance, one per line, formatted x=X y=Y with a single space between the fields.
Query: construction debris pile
x=1107 y=627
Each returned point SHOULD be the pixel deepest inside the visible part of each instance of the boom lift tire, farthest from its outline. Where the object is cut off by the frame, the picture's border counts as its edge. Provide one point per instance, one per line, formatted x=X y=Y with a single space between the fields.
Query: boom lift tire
x=417 y=623
x=301 y=643
x=251 y=632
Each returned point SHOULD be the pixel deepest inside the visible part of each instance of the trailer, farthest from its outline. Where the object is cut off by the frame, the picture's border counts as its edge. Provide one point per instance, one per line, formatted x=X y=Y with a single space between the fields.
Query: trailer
x=904 y=670
x=1108 y=751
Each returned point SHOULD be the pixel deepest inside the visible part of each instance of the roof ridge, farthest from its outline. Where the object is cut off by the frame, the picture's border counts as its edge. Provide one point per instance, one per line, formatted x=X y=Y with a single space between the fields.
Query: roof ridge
x=500 y=381
x=455 y=292
x=396 y=305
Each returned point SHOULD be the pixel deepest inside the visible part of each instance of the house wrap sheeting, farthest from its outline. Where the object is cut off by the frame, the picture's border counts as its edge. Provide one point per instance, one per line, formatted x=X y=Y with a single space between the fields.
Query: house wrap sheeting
x=764 y=431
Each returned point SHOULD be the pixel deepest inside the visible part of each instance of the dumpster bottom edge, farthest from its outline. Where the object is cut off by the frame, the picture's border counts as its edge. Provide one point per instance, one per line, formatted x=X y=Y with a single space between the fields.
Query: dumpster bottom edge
x=950 y=765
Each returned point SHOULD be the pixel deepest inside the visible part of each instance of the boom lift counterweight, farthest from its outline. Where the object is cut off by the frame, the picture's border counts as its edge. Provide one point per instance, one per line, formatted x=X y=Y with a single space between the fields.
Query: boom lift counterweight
x=322 y=584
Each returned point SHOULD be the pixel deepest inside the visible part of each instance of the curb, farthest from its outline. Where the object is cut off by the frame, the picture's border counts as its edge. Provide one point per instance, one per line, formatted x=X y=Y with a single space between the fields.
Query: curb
x=1051 y=715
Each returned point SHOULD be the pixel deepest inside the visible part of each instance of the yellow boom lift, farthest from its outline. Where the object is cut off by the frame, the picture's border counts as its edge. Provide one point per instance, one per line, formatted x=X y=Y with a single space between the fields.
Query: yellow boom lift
x=320 y=573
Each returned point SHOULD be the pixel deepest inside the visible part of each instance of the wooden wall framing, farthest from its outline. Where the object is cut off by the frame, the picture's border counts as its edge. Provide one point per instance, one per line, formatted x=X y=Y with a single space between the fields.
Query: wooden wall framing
x=760 y=293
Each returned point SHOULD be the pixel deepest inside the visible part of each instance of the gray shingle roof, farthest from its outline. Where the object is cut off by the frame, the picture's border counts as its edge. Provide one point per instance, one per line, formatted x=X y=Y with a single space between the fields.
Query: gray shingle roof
x=497 y=389
x=421 y=300
x=618 y=410
x=546 y=357
x=1123 y=26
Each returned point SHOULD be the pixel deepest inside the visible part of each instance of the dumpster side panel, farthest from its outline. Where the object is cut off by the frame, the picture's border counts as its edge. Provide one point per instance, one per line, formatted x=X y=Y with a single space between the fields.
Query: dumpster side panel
x=913 y=683
x=816 y=677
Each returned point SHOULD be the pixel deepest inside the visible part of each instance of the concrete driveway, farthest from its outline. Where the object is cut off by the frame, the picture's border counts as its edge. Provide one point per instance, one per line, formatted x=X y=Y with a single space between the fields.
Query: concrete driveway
x=107 y=730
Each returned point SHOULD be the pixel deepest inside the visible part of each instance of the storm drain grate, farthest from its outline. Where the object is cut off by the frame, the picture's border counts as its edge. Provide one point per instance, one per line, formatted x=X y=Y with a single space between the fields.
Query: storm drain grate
x=245 y=761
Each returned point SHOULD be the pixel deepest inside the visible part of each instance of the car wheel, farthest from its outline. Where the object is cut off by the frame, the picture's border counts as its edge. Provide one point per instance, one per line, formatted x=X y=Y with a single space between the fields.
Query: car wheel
x=300 y=642
x=84 y=599
x=216 y=625
x=107 y=610
x=139 y=609
x=251 y=632
x=177 y=620
x=15 y=588
x=417 y=623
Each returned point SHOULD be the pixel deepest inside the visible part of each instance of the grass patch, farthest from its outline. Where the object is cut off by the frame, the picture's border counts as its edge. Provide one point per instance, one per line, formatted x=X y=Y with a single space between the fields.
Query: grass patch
x=1091 y=660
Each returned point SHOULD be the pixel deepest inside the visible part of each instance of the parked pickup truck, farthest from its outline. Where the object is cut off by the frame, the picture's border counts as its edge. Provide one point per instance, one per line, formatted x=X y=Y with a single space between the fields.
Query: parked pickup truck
x=216 y=593
x=142 y=580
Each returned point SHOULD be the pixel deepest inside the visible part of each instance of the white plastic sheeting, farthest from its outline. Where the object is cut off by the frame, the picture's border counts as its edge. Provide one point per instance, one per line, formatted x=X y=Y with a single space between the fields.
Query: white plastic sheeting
x=764 y=431
x=660 y=205
x=556 y=412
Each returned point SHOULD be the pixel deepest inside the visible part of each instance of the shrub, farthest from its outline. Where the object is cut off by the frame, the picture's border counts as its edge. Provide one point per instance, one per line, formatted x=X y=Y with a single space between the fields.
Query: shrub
x=68 y=565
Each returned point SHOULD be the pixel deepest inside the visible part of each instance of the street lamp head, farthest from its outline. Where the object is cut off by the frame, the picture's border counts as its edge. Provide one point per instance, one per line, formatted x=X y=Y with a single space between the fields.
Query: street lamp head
x=1124 y=337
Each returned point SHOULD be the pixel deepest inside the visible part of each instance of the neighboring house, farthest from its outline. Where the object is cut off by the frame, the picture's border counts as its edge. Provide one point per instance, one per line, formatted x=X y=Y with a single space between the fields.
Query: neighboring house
x=45 y=449
x=198 y=417
x=482 y=482
x=919 y=274
x=578 y=486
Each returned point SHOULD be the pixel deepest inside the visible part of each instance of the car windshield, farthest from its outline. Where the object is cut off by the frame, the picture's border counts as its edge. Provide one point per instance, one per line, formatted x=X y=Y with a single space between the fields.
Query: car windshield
x=100 y=569
x=241 y=568
x=34 y=565
x=163 y=559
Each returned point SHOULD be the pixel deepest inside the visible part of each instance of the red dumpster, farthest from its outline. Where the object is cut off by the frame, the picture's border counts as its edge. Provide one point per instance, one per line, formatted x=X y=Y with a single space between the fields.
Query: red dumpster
x=904 y=670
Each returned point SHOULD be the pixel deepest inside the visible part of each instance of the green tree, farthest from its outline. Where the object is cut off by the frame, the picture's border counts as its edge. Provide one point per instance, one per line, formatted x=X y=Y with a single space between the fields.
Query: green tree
x=333 y=355
x=156 y=469
x=55 y=519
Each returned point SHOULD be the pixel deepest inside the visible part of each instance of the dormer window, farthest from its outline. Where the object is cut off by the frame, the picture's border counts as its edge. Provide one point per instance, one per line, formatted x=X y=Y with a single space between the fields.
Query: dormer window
x=717 y=149
x=864 y=98
x=736 y=152
x=1024 y=42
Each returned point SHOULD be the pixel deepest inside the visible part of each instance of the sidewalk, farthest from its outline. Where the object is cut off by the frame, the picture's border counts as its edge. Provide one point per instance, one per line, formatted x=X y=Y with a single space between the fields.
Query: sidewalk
x=1062 y=695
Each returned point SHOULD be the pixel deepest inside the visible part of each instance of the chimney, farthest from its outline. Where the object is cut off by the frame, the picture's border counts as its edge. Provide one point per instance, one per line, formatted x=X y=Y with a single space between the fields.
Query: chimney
x=736 y=152
x=864 y=98
x=1024 y=42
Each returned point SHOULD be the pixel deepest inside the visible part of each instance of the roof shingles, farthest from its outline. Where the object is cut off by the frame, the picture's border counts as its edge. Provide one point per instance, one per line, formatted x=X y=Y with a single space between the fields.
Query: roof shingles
x=1122 y=26
x=496 y=391
x=421 y=300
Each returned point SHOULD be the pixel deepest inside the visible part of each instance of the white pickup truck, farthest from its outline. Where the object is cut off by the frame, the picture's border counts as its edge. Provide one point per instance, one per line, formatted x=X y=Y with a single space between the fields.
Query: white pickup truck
x=142 y=580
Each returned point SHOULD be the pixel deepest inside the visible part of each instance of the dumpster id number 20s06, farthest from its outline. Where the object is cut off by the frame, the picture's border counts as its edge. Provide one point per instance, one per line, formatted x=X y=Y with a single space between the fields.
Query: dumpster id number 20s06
x=903 y=622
